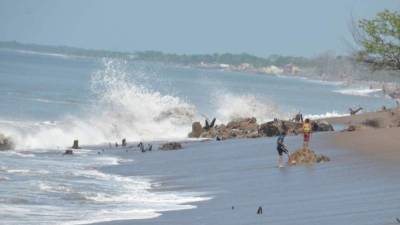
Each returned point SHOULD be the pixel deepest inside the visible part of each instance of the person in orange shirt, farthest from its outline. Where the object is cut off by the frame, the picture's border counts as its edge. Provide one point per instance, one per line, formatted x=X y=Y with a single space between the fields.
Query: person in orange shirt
x=307 y=132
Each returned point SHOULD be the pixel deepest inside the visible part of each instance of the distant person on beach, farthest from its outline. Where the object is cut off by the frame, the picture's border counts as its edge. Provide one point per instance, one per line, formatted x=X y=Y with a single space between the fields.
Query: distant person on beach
x=123 y=142
x=141 y=147
x=281 y=148
x=298 y=118
x=306 y=132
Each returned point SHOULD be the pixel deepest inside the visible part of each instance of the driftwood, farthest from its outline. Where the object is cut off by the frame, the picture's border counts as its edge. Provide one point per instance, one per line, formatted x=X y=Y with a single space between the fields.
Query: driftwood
x=209 y=125
x=354 y=112
x=75 y=145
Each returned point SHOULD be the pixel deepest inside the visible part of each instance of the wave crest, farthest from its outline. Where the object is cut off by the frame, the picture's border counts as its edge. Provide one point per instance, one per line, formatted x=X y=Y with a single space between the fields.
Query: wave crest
x=231 y=107
x=122 y=109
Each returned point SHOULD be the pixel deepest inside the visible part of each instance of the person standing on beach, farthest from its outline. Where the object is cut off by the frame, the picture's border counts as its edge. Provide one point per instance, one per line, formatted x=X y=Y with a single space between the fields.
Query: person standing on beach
x=307 y=132
x=281 y=148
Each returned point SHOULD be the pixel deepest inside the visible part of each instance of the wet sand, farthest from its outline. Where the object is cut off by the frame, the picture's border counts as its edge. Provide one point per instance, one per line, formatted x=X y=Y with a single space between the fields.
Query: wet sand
x=382 y=144
x=351 y=189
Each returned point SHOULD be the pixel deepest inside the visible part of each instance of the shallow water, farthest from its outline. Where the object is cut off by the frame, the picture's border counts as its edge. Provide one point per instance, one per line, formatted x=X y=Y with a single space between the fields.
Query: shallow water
x=350 y=189
x=47 y=101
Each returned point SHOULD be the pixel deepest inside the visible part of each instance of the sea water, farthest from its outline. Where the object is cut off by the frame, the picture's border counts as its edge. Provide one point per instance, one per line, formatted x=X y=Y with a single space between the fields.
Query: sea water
x=47 y=101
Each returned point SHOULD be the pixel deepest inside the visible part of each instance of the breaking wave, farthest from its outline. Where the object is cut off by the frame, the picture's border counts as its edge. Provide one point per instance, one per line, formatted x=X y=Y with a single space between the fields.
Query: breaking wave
x=72 y=191
x=122 y=109
x=230 y=106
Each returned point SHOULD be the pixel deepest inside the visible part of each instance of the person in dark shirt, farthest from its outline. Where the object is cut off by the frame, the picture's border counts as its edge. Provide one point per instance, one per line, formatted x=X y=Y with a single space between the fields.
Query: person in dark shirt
x=281 y=148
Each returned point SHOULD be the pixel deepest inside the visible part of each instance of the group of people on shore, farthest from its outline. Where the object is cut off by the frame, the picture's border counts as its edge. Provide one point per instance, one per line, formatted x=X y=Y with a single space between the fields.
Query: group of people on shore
x=281 y=146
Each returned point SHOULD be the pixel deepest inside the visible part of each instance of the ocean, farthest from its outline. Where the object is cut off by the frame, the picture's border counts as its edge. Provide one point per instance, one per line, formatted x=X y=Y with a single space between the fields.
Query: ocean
x=49 y=100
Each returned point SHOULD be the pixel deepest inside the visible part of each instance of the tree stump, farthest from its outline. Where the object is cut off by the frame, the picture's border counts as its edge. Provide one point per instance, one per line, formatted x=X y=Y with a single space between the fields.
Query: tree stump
x=75 y=145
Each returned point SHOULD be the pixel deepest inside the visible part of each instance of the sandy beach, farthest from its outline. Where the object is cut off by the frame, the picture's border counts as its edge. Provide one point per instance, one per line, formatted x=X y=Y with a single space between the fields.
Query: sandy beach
x=358 y=186
x=382 y=144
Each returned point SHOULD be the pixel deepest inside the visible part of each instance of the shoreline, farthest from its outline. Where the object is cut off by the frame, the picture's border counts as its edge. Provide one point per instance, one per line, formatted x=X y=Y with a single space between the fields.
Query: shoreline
x=242 y=173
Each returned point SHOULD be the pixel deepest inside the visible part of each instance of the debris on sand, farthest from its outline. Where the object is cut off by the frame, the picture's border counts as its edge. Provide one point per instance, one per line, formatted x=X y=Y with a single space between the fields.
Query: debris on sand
x=171 y=146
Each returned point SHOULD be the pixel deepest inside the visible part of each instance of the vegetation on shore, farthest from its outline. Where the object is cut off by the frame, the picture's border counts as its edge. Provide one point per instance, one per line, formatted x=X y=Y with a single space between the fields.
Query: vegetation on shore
x=379 y=41
x=157 y=56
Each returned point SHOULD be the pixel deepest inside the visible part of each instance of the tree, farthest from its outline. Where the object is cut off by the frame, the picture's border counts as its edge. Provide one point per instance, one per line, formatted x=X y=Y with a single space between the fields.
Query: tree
x=379 y=39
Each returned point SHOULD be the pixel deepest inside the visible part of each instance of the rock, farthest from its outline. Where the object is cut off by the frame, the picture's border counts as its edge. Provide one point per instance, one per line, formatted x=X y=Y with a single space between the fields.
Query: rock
x=356 y=127
x=6 y=143
x=322 y=125
x=306 y=156
x=253 y=134
x=171 y=146
x=375 y=123
x=248 y=128
x=196 y=130
x=210 y=133
x=69 y=152
x=274 y=128
x=323 y=158
x=270 y=129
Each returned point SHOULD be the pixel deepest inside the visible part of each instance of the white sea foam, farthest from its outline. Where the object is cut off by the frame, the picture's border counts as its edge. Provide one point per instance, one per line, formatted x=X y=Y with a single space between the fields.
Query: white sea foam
x=51 y=101
x=359 y=91
x=325 y=115
x=123 y=109
x=231 y=106
x=76 y=193
x=43 y=53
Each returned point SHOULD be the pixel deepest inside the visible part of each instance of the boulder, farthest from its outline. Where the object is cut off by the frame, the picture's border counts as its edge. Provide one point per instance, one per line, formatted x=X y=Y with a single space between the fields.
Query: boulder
x=69 y=152
x=243 y=124
x=171 y=146
x=196 y=130
x=322 y=125
x=270 y=129
x=306 y=156
x=6 y=143
x=210 y=133
x=276 y=127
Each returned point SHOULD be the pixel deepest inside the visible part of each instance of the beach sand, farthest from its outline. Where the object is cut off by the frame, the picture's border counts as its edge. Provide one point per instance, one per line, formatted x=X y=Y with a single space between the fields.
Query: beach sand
x=359 y=186
x=381 y=144
x=387 y=118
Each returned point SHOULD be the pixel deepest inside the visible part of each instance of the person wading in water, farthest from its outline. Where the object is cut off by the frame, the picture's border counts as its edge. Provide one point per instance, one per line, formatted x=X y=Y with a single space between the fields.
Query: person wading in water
x=281 y=148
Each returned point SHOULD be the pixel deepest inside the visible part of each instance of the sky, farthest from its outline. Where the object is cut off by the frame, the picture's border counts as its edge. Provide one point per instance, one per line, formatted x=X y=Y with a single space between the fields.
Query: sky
x=260 y=27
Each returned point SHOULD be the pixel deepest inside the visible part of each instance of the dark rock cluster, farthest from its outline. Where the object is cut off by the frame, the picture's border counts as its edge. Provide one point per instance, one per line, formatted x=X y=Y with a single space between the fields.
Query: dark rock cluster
x=249 y=128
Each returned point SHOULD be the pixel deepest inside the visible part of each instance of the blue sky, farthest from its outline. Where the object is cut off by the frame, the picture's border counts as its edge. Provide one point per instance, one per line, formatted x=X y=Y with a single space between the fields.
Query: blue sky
x=288 y=27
